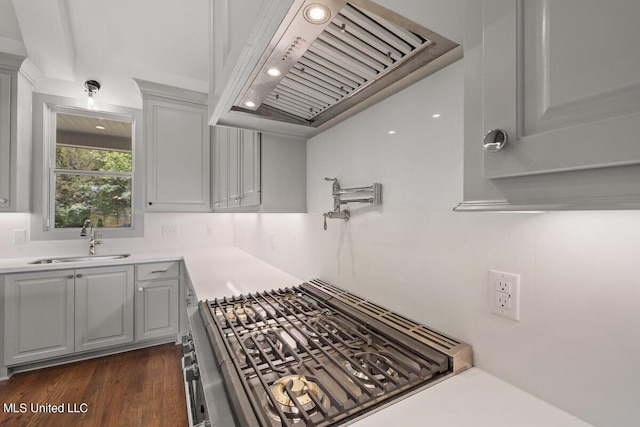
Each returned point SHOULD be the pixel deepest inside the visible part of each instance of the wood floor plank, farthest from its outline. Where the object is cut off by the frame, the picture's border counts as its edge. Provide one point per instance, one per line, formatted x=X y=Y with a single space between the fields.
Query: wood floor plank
x=136 y=388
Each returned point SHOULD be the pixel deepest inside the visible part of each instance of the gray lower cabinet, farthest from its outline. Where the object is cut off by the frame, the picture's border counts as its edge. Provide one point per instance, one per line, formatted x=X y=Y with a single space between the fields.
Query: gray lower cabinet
x=156 y=301
x=103 y=307
x=60 y=312
x=38 y=316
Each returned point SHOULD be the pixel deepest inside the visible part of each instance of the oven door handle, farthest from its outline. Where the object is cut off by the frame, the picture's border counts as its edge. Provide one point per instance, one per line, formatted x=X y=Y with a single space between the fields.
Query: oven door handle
x=188 y=393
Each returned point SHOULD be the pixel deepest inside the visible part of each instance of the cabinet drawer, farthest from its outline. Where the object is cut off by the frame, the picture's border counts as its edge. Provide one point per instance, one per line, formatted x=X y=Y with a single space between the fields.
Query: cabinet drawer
x=158 y=270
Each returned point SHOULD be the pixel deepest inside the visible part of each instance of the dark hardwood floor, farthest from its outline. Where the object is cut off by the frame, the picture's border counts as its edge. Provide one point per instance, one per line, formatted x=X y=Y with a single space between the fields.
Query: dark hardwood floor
x=137 y=388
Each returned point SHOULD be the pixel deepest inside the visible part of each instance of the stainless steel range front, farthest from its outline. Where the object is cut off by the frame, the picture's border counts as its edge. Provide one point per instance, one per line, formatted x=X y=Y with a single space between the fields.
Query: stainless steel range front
x=315 y=355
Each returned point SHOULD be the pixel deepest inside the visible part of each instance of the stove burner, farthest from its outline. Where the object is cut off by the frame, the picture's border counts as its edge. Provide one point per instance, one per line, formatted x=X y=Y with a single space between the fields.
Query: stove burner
x=365 y=370
x=297 y=387
x=262 y=341
x=320 y=327
x=242 y=312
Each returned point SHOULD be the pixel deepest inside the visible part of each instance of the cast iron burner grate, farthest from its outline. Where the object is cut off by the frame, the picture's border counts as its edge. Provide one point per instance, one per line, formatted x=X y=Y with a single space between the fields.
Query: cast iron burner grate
x=300 y=357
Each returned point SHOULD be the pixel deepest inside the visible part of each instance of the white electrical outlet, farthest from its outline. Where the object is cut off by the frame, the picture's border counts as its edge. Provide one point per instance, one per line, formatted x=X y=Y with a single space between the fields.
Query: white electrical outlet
x=505 y=294
x=20 y=237
x=170 y=231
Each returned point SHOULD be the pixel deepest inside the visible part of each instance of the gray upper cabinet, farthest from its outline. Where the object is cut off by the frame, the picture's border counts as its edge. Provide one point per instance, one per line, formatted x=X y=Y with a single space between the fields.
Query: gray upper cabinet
x=5 y=140
x=38 y=316
x=562 y=79
x=258 y=172
x=236 y=168
x=17 y=77
x=177 y=137
x=103 y=307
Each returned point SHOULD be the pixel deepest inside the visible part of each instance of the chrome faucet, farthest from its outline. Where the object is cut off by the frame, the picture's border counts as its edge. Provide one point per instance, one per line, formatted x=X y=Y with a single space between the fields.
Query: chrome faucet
x=336 y=212
x=93 y=241
x=371 y=195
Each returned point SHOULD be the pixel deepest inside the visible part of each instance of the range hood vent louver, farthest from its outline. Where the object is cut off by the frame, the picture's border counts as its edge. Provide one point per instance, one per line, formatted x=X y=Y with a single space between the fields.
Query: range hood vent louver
x=329 y=69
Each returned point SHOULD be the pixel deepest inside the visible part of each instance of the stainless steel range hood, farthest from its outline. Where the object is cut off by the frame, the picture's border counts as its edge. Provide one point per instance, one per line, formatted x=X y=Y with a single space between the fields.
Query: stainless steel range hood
x=317 y=74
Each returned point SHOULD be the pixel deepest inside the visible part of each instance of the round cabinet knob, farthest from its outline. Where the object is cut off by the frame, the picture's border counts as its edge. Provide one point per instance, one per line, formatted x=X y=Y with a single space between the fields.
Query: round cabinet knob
x=495 y=140
x=141 y=289
x=4 y=200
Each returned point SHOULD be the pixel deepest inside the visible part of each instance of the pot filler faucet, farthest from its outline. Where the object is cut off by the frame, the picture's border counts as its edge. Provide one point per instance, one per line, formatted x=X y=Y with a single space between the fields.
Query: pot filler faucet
x=375 y=199
x=93 y=241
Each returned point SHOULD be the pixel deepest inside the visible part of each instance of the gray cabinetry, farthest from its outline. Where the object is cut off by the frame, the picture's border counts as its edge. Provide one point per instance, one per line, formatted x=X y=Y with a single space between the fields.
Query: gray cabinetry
x=570 y=107
x=5 y=139
x=16 y=84
x=103 y=307
x=237 y=168
x=177 y=137
x=38 y=316
x=61 y=312
x=258 y=172
x=157 y=300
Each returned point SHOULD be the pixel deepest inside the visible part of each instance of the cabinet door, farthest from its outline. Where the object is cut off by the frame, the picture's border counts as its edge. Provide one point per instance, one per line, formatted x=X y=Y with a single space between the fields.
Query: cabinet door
x=5 y=140
x=157 y=309
x=178 y=160
x=38 y=316
x=234 y=139
x=220 y=167
x=104 y=307
x=250 y=158
x=563 y=79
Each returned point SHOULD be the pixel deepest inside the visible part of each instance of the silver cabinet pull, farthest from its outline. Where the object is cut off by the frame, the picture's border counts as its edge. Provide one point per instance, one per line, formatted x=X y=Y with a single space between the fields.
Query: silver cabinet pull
x=495 y=140
x=3 y=200
x=140 y=288
x=70 y=276
x=159 y=271
x=79 y=275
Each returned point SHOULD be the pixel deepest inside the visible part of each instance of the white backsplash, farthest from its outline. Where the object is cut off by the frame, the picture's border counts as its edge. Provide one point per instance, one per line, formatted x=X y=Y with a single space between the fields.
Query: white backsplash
x=195 y=230
x=578 y=340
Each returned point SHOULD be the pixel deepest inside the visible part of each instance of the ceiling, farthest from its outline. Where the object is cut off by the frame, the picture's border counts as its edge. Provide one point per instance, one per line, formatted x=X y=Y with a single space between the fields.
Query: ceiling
x=87 y=125
x=113 y=41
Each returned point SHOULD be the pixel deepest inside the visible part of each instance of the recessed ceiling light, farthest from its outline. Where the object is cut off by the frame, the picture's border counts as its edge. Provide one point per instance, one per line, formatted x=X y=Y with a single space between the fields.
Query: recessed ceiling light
x=273 y=71
x=436 y=115
x=317 y=13
x=391 y=132
x=250 y=104
x=100 y=127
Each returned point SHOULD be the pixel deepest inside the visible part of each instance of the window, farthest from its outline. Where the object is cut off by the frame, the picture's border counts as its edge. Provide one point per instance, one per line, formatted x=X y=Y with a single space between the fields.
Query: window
x=93 y=172
x=92 y=166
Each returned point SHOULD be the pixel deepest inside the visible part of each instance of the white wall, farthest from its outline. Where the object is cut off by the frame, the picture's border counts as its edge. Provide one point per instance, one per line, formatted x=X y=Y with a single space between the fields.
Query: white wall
x=578 y=341
x=193 y=233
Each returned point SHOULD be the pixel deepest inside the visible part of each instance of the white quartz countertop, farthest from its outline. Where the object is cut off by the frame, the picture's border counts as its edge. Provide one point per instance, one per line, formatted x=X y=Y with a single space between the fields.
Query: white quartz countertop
x=471 y=398
x=22 y=265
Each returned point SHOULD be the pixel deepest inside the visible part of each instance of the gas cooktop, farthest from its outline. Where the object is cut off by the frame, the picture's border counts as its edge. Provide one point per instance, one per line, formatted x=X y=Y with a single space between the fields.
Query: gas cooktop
x=315 y=355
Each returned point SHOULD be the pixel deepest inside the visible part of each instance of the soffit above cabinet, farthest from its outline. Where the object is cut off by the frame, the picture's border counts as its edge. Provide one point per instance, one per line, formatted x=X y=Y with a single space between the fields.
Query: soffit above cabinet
x=314 y=75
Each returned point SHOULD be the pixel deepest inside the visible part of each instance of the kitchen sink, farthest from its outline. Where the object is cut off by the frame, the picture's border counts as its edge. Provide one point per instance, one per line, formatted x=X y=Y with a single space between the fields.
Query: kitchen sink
x=79 y=259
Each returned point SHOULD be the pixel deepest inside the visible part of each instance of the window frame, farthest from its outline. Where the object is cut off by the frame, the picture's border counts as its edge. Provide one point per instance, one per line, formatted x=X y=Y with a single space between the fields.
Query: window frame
x=45 y=109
